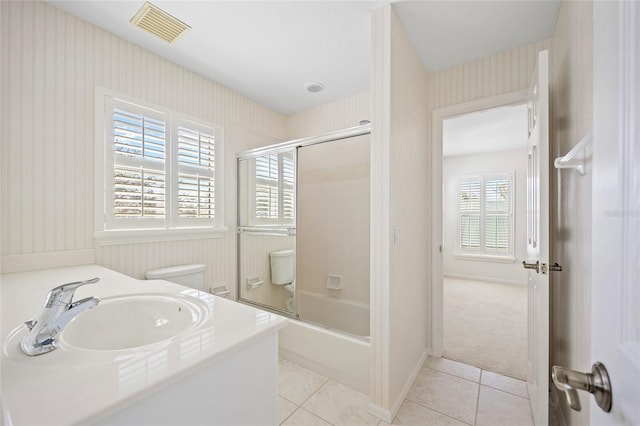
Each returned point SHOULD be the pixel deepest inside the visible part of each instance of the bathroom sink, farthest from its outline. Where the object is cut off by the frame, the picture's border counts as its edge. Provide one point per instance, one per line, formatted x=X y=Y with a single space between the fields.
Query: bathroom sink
x=129 y=322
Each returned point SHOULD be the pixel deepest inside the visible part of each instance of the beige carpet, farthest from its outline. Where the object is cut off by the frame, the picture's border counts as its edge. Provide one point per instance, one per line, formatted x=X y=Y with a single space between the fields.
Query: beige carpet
x=485 y=325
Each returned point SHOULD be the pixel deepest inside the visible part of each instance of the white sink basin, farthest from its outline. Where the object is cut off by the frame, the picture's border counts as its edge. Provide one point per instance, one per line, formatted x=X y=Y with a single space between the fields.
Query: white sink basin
x=129 y=322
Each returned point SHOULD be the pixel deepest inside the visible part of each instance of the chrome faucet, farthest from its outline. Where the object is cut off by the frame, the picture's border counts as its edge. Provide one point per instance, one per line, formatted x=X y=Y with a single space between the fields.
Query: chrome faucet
x=59 y=308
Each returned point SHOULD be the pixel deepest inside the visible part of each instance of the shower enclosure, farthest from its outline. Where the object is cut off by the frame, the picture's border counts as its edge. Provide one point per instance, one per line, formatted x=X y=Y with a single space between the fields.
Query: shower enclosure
x=307 y=200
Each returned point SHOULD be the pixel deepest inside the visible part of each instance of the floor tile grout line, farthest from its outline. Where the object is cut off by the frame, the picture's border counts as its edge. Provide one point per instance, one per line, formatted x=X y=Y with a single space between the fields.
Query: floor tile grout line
x=314 y=392
x=452 y=375
x=502 y=390
x=475 y=421
x=507 y=392
x=434 y=410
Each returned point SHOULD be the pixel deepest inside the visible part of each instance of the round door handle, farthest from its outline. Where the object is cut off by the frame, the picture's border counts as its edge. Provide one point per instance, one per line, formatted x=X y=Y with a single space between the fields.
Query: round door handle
x=534 y=266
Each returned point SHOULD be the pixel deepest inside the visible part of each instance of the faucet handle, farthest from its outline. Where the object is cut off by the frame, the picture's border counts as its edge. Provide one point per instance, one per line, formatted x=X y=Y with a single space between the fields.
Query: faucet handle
x=64 y=293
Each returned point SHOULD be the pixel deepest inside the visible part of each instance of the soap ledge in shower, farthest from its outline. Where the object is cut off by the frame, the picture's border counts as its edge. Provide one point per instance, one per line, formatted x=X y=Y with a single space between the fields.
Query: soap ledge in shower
x=254 y=282
x=334 y=282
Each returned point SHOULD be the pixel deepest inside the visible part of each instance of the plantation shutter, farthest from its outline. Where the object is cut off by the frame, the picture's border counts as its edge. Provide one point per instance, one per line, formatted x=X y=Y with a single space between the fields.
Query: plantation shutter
x=158 y=168
x=137 y=137
x=469 y=213
x=288 y=189
x=497 y=214
x=196 y=156
x=485 y=214
x=267 y=187
x=275 y=189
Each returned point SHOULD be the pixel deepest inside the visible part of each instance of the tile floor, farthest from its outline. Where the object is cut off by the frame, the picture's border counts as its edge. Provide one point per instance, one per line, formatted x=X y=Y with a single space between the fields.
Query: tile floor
x=444 y=393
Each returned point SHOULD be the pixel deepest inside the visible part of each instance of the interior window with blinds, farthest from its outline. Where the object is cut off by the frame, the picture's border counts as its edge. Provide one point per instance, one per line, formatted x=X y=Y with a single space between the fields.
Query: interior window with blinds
x=274 y=189
x=485 y=214
x=160 y=168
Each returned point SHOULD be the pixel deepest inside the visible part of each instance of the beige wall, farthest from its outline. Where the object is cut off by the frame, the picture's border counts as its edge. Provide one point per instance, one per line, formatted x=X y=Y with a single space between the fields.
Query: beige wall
x=571 y=119
x=410 y=322
x=333 y=219
x=504 y=72
x=52 y=62
x=400 y=191
x=336 y=115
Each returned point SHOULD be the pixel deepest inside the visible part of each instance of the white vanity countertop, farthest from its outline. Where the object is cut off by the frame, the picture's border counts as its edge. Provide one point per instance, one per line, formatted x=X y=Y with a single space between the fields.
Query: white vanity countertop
x=80 y=386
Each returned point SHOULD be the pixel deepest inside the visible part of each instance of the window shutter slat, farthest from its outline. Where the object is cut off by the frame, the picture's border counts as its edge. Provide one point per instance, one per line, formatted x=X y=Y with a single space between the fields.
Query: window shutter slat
x=138 y=193
x=497 y=195
x=138 y=135
x=469 y=196
x=484 y=214
x=196 y=147
x=196 y=162
x=196 y=196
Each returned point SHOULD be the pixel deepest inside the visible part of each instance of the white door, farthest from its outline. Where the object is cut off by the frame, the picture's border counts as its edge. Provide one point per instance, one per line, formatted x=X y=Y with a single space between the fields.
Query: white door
x=538 y=241
x=615 y=309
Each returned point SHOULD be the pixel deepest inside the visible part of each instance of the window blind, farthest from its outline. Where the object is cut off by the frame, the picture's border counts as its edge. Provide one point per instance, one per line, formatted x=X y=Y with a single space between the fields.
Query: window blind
x=137 y=135
x=160 y=168
x=497 y=214
x=485 y=219
x=139 y=151
x=196 y=172
x=274 y=189
x=469 y=194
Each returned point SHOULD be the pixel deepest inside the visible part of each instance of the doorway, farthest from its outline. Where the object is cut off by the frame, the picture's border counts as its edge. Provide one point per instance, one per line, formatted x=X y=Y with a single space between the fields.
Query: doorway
x=480 y=292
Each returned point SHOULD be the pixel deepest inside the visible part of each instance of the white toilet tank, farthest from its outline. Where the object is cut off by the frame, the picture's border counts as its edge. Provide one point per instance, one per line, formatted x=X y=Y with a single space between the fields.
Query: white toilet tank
x=281 y=267
x=187 y=275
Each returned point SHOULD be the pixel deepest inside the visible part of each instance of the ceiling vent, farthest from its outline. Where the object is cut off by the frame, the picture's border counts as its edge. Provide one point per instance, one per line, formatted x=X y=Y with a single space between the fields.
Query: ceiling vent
x=159 y=23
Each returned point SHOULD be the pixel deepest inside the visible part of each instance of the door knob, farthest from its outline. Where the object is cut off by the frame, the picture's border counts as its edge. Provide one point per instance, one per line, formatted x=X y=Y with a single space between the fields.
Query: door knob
x=534 y=266
x=596 y=382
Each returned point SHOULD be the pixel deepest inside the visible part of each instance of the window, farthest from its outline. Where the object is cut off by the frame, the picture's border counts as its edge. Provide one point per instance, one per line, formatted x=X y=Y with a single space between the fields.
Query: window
x=485 y=215
x=156 y=168
x=274 y=200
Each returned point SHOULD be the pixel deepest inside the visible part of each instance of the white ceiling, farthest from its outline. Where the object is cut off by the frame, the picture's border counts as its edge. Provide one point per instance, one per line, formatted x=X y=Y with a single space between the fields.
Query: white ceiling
x=496 y=129
x=268 y=50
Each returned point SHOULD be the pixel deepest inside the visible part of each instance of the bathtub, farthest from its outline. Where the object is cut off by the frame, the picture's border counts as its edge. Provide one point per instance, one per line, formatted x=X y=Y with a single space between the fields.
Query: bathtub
x=340 y=356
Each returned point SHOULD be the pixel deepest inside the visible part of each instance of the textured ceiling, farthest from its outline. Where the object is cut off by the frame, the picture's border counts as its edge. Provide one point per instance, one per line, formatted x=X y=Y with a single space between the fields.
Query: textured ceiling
x=268 y=50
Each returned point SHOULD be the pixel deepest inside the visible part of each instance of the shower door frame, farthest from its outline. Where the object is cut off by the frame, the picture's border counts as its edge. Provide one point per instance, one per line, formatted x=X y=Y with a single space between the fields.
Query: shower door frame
x=363 y=129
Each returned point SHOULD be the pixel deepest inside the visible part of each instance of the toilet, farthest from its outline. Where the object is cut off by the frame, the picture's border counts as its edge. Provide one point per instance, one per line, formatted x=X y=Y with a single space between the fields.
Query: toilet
x=282 y=273
x=187 y=275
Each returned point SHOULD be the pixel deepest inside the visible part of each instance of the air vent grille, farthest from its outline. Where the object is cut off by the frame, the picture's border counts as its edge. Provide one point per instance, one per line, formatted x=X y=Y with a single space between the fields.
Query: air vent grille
x=159 y=23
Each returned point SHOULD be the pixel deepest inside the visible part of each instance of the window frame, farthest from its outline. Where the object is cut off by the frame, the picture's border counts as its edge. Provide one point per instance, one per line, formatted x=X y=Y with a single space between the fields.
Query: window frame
x=482 y=252
x=111 y=230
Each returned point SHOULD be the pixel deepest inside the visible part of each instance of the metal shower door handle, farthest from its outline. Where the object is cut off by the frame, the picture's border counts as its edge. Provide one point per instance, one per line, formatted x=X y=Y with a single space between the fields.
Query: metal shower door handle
x=597 y=382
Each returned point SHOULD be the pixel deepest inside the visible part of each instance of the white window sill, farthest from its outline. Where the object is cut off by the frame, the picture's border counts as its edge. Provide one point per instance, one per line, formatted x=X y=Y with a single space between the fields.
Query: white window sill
x=485 y=257
x=131 y=236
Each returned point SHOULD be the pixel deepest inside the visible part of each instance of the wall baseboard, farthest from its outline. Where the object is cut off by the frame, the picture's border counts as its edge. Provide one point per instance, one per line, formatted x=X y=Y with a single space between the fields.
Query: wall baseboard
x=388 y=415
x=11 y=263
x=485 y=279
x=380 y=412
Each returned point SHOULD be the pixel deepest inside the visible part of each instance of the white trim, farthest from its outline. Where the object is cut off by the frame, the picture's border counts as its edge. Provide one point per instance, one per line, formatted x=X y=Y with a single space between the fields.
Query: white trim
x=438 y=115
x=130 y=236
x=407 y=385
x=389 y=415
x=53 y=259
x=381 y=413
x=485 y=279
